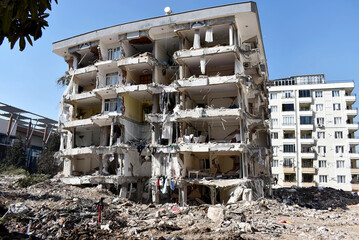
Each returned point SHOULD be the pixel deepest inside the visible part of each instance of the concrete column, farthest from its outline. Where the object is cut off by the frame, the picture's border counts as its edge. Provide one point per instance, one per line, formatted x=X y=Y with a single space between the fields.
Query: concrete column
x=231 y=35
x=183 y=195
x=197 y=39
x=99 y=159
x=111 y=133
x=139 y=190
x=181 y=71
x=155 y=195
x=155 y=103
x=70 y=140
x=67 y=167
x=123 y=191
x=213 y=195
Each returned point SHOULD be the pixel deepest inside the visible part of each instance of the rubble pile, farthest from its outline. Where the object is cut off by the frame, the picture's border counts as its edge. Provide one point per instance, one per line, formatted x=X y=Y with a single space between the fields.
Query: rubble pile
x=53 y=210
x=315 y=197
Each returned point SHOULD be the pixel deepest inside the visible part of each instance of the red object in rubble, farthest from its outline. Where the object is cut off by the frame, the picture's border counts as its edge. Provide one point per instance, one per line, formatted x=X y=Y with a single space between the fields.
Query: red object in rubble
x=100 y=207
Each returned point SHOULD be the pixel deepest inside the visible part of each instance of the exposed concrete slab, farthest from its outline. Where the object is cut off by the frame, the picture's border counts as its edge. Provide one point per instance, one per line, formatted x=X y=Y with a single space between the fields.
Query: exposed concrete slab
x=211 y=147
x=111 y=179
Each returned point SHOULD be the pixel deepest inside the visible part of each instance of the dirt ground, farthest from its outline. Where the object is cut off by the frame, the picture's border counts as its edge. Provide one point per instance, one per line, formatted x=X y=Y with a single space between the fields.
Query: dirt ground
x=53 y=210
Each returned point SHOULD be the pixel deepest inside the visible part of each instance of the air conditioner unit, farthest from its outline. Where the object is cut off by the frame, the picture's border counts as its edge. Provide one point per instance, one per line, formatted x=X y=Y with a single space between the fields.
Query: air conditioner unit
x=246 y=46
x=320 y=125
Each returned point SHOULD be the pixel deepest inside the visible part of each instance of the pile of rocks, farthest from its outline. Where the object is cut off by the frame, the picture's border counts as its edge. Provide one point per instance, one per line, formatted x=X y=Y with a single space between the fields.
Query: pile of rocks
x=315 y=197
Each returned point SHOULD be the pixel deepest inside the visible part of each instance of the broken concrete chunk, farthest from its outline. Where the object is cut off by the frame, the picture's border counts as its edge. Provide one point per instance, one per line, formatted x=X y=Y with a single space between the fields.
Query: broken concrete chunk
x=216 y=214
x=18 y=208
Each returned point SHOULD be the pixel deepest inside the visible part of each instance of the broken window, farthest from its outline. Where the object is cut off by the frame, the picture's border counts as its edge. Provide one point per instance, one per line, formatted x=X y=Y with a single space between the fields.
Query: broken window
x=111 y=105
x=112 y=79
x=114 y=53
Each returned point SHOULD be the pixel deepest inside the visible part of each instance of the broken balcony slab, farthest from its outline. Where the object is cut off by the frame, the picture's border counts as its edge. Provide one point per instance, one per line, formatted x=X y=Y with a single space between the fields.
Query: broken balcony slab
x=78 y=123
x=210 y=147
x=105 y=150
x=105 y=119
x=210 y=113
x=217 y=50
x=95 y=180
x=141 y=92
x=159 y=117
x=85 y=97
x=143 y=61
x=84 y=70
x=106 y=65
x=106 y=92
x=206 y=81
x=77 y=151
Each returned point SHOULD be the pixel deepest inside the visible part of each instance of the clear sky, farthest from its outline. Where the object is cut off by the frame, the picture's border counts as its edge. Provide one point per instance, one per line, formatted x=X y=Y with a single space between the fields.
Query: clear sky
x=300 y=37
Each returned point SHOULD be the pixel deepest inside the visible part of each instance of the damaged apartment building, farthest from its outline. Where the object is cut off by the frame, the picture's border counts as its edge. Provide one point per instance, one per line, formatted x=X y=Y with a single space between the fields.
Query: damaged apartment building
x=172 y=108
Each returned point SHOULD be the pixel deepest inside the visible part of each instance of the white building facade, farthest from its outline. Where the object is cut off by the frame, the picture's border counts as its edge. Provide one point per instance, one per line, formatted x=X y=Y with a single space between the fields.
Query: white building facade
x=312 y=133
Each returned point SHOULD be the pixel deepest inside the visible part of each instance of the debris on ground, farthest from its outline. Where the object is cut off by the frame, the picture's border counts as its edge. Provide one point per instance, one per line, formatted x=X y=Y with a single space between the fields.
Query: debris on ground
x=53 y=210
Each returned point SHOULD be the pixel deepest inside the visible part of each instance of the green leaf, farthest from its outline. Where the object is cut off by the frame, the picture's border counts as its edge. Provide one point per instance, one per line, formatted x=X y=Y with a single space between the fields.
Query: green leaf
x=22 y=43
x=29 y=39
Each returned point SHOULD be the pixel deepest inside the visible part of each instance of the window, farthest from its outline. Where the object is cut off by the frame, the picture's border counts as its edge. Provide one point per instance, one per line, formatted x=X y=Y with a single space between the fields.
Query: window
x=275 y=163
x=320 y=121
x=340 y=163
x=114 y=53
x=339 y=149
x=287 y=107
x=288 y=148
x=322 y=163
x=111 y=79
x=273 y=96
x=289 y=135
x=304 y=93
x=274 y=108
x=340 y=179
x=321 y=135
x=335 y=93
x=318 y=94
x=274 y=122
x=274 y=135
x=288 y=162
x=336 y=106
x=323 y=178
x=337 y=120
x=288 y=94
x=275 y=150
x=305 y=120
x=338 y=134
x=110 y=105
x=322 y=150
x=288 y=120
x=319 y=107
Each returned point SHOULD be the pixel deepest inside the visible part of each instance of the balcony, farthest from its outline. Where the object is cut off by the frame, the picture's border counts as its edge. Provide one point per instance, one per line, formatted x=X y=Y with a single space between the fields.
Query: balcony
x=353 y=126
x=288 y=169
x=308 y=170
x=309 y=141
x=354 y=155
x=355 y=186
x=309 y=184
x=354 y=141
x=350 y=99
x=354 y=170
x=352 y=112
x=289 y=184
x=307 y=155
x=305 y=100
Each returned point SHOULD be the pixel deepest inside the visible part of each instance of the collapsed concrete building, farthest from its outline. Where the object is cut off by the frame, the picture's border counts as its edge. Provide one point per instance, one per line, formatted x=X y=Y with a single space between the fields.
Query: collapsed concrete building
x=169 y=108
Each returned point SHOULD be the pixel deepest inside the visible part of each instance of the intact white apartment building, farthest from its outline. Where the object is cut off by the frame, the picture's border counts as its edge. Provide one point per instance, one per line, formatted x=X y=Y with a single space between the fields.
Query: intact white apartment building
x=312 y=133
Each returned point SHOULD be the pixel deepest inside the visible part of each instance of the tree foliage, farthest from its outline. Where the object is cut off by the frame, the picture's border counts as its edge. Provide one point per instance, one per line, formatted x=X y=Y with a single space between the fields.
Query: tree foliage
x=47 y=163
x=23 y=19
x=16 y=155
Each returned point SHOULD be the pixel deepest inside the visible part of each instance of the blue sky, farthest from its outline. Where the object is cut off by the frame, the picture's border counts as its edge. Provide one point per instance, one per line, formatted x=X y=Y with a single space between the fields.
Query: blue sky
x=300 y=37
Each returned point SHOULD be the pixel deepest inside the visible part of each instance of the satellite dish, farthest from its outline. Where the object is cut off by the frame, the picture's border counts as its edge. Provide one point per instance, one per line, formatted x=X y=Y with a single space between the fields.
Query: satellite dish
x=168 y=11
